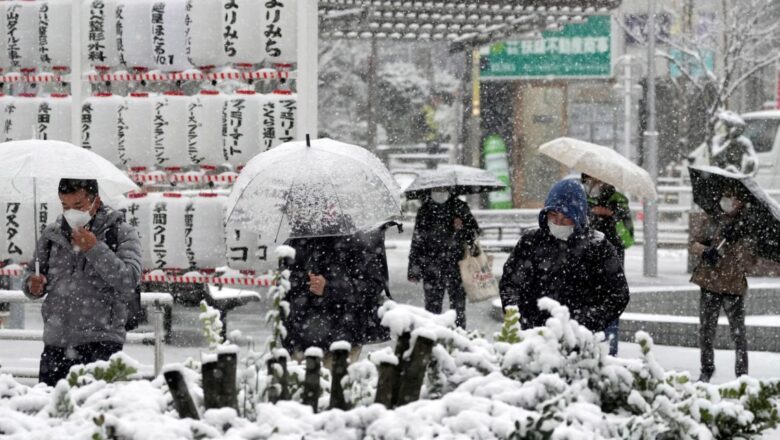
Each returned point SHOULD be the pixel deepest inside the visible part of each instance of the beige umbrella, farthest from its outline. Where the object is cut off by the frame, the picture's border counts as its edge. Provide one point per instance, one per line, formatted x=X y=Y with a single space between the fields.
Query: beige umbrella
x=602 y=163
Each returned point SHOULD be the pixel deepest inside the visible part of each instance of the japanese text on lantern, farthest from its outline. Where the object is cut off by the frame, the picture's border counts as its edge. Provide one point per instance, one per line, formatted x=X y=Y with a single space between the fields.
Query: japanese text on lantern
x=159 y=231
x=273 y=32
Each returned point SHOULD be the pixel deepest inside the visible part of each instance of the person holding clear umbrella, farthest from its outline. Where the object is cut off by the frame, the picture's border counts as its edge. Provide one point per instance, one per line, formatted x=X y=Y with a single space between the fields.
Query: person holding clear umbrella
x=444 y=229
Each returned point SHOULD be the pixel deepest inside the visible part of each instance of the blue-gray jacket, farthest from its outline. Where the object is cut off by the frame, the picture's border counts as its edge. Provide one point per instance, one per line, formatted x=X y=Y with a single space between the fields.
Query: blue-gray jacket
x=86 y=294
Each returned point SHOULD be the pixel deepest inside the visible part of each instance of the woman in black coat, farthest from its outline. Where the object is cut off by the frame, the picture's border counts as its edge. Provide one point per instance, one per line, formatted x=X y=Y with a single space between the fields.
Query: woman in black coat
x=443 y=231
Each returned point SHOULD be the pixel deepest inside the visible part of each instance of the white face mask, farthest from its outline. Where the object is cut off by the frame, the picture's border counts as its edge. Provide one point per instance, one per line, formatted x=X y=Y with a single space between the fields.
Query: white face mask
x=727 y=205
x=77 y=218
x=440 y=196
x=561 y=232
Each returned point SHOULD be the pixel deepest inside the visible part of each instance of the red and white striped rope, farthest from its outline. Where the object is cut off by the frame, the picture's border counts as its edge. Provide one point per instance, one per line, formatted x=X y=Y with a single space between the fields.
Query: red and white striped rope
x=182 y=177
x=40 y=78
x=264 y=281
x=265 y=74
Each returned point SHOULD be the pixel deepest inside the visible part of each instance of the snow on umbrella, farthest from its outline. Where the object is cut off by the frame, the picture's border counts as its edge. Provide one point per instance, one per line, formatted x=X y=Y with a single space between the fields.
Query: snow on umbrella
x=710 y=184
x=458 y=179
x=602 y=163
x=322 y=189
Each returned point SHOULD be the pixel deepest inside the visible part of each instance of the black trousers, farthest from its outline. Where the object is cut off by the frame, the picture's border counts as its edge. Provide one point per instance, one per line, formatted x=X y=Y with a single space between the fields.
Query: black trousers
x=56 y=361
x=709 y=309
x=436 y=287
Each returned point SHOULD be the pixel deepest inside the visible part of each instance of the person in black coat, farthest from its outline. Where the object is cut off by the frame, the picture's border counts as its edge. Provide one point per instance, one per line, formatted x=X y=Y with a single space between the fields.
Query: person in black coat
x=567 y=261
x=443 y=231
x=328 y=279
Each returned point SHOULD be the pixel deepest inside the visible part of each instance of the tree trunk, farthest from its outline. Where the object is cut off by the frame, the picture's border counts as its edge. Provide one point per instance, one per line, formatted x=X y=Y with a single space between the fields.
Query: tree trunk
x=311 y=383
x=182 y=400
x=388 y=375
x=340 y=363
x=414 y=373
x=227 y=363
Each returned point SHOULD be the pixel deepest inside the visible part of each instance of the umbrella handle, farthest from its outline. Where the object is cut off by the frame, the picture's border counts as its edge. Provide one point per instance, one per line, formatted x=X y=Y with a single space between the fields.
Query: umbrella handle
x=722 y=242
x=37 y=267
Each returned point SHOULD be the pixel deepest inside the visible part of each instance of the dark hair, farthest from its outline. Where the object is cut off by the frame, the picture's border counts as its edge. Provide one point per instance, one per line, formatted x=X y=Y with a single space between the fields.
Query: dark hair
x=70 y=186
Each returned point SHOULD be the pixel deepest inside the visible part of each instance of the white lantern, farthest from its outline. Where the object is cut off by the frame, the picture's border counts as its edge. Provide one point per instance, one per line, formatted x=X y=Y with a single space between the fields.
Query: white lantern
x=169 y=35
x=21 y=118
x=134 y=32
x=54 y=121
x=241 y=128
x=134 y=142
x=99 y=125
x=54 y=33
x=244 y=251
x=205 y=46
x=98 y=33
x=286 y=113
x=138 y=213
x=204 y=240
x=268 y=121
x=18 y=227
x=168 y=232
x=204 y=129
x=279 y=24
x=242 y=37
x=5 y=62
x=169 y=132
x=22 y=29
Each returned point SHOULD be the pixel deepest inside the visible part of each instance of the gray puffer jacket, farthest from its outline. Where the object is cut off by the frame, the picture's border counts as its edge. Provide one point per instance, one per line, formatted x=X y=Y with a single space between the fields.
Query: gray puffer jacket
x=86 y=294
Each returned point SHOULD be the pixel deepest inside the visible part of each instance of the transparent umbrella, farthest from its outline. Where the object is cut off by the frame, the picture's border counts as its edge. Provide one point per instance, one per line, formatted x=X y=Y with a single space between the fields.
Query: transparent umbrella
x=321 y=188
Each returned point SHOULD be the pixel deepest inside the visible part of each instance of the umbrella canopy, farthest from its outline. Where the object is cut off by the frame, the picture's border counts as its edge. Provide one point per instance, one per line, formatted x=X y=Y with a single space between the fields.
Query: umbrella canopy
x=458 y=179
x=301 y=190
x=762 y=215
x=31 y=166
x=602 y=163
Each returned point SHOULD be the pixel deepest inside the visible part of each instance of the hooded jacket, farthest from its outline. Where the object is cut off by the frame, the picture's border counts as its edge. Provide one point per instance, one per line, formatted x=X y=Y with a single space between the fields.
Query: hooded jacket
x=86 y=294
x=582 y=272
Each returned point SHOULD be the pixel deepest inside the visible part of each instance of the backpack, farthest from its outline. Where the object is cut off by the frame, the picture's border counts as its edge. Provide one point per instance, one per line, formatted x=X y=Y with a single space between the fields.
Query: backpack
x=135 y=311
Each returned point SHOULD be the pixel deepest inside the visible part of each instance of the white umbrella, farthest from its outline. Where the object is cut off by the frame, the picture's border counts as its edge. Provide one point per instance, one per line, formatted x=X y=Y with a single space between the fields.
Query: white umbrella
x=458 y=179
x=320 y=188
x=33 y=168
x=602 y=163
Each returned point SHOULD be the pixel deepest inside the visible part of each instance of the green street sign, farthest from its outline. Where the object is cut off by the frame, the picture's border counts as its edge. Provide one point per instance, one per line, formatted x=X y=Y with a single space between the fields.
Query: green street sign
x=576 y=51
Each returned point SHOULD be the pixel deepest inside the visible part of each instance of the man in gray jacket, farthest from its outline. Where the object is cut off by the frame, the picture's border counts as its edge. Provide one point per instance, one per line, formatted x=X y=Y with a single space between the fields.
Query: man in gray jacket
x=86 y=286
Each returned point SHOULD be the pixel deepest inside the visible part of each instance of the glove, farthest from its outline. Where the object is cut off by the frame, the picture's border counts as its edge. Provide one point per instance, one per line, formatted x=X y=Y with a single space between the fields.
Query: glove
x=732 y=231
x=710 y=256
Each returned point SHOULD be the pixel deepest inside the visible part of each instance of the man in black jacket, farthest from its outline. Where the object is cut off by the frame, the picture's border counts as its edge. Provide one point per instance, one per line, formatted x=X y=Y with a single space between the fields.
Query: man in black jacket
x=443 y=230
x=566 y=261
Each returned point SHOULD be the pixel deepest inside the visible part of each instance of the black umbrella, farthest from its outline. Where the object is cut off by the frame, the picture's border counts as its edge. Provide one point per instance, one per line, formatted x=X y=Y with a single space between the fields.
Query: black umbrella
x=762 y=212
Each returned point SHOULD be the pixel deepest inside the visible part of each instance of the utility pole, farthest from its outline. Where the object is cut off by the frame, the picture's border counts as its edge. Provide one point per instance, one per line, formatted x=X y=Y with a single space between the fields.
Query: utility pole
x=650 y=207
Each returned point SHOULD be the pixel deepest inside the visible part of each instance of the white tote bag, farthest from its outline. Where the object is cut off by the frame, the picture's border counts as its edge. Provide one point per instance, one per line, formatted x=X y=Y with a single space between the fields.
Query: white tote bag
x=477 y=276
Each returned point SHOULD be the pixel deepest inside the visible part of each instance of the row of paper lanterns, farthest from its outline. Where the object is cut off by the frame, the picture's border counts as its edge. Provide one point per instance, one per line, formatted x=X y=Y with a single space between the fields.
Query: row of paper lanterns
x=169 y=131
x=177 y=232
x=167 y=35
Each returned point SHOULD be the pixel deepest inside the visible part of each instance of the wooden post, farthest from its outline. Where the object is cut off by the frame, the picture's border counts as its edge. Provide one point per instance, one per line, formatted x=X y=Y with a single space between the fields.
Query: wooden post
x=273 y=391
x=284 y=380
x=182 y=400
x=227 y=363
x=340 y=363
x=211 y=384
x=414 y=373
x=400 y=348
x=311 y=383
x=386 y=385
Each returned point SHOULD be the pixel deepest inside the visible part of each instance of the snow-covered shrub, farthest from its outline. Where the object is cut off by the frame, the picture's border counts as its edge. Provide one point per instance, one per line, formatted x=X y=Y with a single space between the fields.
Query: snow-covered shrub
x=212 y=325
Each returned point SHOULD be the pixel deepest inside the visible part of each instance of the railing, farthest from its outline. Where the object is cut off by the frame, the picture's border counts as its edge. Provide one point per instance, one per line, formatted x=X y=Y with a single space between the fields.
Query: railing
x=156 y=300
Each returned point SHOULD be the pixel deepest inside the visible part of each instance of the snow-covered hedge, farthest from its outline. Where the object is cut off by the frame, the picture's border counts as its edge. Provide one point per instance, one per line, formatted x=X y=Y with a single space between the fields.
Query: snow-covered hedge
x=551 y=382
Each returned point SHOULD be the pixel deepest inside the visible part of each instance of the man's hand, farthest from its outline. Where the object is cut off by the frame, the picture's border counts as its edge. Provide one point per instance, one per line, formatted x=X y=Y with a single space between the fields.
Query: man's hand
x=602 y=211
x=317 y=284
x=36 y=283
x=413 y=280
x=83 y=239
x=457 y=224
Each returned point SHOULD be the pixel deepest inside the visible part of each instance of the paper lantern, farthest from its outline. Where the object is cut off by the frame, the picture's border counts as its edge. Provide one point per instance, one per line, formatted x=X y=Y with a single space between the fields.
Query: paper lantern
x=244 y=251
x=134 y=33
x=98 y=33
x=241 y=127
x=168 y=232
x=242 y=37
x=204 y=128
x=5 y=62
x=169 y=35
x=138 y=213
x=204 y=240
x=134 y=143
x=169 y=132
x=21 y=118
x=22 y=33
x=54 y=121
x=17 y=232
x=54 y=18
x=279 y=24
x=99 y=125
x=204 y=33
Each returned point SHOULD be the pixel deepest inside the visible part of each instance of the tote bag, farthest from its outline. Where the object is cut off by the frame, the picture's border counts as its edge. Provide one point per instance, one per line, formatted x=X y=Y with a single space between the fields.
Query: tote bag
x=477 y=276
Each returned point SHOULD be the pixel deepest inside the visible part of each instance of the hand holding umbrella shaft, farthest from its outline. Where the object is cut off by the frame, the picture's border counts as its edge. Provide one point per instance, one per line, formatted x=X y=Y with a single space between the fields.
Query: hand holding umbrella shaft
x=37 y=283
x=317 y=284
